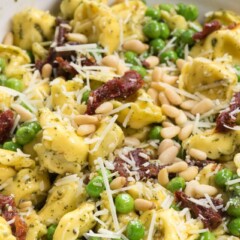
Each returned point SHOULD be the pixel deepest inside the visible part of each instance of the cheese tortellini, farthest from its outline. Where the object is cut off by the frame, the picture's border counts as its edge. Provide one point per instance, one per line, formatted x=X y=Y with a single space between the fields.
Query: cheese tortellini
x=5 y=230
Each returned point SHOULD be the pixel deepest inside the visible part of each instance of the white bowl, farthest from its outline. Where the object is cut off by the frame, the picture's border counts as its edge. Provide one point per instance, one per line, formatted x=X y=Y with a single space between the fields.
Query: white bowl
x=9 y=7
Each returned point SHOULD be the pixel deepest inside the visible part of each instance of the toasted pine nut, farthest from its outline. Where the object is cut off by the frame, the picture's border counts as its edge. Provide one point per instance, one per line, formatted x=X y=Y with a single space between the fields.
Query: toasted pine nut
x=203 y=106
x=191 y=187
x=143 y=205
x=135 y=45
x=168 y=155
x=47 y=70
x=172 y=96
x=104 y=108
x=163 y=99
x=180 y=63
x=122 y=68
x=177 y=167
x=170 y=132
x=86 y=129
x=157 y=85
x=24 y=204
x=176 y=160
x=118 y=182
x=185 y=132
x=131 y=141
x=203 y=189
x=111 y=61
x=169 y=79
x=188 y=104
x=166 y=143
x=181 y=119
x=24 y=114
x=8 y=39
x=197 y=154
x=167 y=124
x=86 y=119
x=77 y=37
x=153 y=94
x=189 y=174
x=157 y=74
x=152 y=61
x=163 y=178
x=170 y=111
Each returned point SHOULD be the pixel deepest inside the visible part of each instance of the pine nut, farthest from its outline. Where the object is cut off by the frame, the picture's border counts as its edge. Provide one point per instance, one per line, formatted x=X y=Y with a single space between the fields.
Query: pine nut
x=163 y=99
x=111 y=61
x=77 y=37
x=157 y=74
x=24 y=204
x=167 y=124
x=203 y=106
x=8 y=39
x=165 y=144
x=135 y=45
x=170 y=111
x=172 y=96
x=197 y=154
x=191 y=187
x=185 y=132
x=47 y=70
x=163 y=178
x=181 y=119
x=158 y=86
x=143 y=205
x=188 y=105
x=177 y=167
x=24 y=114
x=152 y=61
x=203 y=189
x=169 y=79
x=189 y=174
x=86 y=119
x=118 y=182
x=170 y=132
x=180 y=63
x=122 y=68
x=131 y=141
x=153 y=94
x=176 y=160
x=86 y=129
x=168 y=155
x=104 y=108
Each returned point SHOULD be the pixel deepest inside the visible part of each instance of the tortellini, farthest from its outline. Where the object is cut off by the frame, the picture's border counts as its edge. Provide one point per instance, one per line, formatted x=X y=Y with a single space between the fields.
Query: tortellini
x=210 y=78
x=6 y=173
x=225 y=17
x=32 y=25
x=68 y=7
x=5 y=230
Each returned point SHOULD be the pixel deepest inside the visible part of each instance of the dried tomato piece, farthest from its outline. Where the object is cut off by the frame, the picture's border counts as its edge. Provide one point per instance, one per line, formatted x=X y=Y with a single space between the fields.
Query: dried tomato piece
x=121 y=87
x=65 y=66
x=6 y=124
x=228 y=117
x=208 y=28
x=210 y=218
x=199 y=163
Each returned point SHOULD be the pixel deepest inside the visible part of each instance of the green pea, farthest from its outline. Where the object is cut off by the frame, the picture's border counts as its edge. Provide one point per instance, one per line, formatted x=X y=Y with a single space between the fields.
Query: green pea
x=33 y=125
x=155 y=133
x=152 y=29
x=180 y=52
x=124 y=203
x=237 y=69
x=95 y=187
x=3 y=79
x=108 y=174
x=234 y=207
x=152 y=12
x=189 y=12
x=85 y=96
x=11 y=146
x=141 y=70
x=207 y=236
x=131 y=57
x=234 y=227
x=234 y=188
x=135 y=230
x=166 y=7
x=24 y=135
x=164 y=30
x=157 y=45
x=50 y=231
x=175 y=184
x=178 y=32
x=169 y=56
x=15 y=84
x=223 y=176
x=187 y=37
x=2 y=65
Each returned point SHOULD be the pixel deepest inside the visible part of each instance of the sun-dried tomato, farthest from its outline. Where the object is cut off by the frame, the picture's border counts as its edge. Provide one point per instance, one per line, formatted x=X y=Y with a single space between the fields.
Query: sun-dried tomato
x=65 y=66
x=121 y=87
x=8 y=212
x=208 y=28
x=6 y=124
x=210 y=218
x=228 y=118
